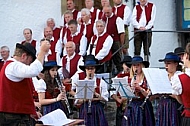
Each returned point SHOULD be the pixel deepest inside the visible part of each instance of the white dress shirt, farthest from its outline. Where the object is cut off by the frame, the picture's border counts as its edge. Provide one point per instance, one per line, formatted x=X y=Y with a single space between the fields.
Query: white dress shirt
x=142 y=22
x=127 y=14
x=17 y=71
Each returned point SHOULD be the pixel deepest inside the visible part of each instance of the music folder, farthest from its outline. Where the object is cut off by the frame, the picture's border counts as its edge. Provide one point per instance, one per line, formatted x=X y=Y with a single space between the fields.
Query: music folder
x=123 y=88
x=56 y=118
x=85 y=89
x=158 y=80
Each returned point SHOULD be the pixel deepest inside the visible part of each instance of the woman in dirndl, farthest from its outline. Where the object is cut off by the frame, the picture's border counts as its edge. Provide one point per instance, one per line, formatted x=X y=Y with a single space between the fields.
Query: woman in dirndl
x=91 y=110
x=137 y=114
x=167 y=113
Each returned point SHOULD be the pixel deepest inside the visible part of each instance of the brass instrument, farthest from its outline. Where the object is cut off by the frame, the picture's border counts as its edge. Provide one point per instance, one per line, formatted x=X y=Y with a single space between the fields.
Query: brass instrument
x=66 y=100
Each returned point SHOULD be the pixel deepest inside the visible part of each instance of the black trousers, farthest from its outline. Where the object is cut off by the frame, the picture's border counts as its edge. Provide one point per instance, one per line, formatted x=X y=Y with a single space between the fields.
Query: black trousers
x=140 y=39
x=119 y=115
x=11 y=119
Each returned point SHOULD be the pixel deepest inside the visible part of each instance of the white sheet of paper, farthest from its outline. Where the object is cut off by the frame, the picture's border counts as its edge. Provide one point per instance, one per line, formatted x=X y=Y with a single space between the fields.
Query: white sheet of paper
x=124 y=89
x=85 y=89
x=56 y=118
x=158 y=80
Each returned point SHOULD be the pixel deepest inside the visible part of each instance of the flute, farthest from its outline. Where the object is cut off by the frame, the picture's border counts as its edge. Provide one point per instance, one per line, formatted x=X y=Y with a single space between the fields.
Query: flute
x=66 y=100
x=130 y=100
x=89 y=101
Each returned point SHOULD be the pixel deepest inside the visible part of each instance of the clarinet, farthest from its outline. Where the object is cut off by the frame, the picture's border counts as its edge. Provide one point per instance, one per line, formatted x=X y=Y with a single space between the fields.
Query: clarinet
x=89 y=101
x=130 y=100
x=144 y=102
x=66 y=100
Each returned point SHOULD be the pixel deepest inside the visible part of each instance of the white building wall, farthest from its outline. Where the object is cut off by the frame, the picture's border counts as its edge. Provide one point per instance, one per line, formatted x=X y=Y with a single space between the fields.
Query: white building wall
x=15 y=15
x=18 y=14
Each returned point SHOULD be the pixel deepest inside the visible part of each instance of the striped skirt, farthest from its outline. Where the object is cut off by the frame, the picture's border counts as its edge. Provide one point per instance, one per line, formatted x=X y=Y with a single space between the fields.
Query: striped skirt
x=136 y=116
x=96 y=117
x=167 y=113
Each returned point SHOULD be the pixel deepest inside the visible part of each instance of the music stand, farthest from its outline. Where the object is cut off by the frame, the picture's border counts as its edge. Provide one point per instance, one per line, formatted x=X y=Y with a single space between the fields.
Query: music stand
x=85 y=91
x=123 y=88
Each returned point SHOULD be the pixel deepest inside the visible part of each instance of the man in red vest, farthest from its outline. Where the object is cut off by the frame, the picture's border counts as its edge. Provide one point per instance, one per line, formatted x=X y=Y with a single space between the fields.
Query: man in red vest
x=56 y=47
x=100 y=46
x=94 y=12
x=27 y=32
x=16 y=101
x=124 y=12
x=115 y=28
x=5 y=55
x=78 y=38
x=71 y=7
x=143 y=19
x=70 y=64
x=56 y=31
x=87 y=27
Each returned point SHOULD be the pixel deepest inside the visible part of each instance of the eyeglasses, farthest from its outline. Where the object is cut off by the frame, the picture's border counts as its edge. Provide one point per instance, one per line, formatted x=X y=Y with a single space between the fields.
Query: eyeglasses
x=90 y=68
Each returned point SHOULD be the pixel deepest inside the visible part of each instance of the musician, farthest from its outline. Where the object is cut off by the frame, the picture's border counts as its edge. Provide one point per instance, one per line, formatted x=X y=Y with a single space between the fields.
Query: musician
x=96 y=117
x=16 y=102
x=181 y=88
x=121 y=101
x=135 y=114
x=48 y=90
x=167 y=105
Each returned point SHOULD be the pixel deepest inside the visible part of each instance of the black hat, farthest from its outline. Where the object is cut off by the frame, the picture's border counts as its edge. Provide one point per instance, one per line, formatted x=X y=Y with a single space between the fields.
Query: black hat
x=139 y=59
x=90 y=60
x=50 y=64
x=179 y=51
x=127 y=60
x=28 y=48
x=171 y=57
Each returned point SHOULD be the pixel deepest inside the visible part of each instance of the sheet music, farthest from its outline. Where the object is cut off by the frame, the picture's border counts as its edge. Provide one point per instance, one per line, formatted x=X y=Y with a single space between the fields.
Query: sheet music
x=85 y=89
x=122 y=87
x=56 y=118
x=158 y=80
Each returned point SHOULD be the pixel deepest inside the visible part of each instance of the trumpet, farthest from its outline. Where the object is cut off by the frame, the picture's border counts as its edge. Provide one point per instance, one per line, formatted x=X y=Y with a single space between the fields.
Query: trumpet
x=66 y=100
x=145 y=100
x=130 y=100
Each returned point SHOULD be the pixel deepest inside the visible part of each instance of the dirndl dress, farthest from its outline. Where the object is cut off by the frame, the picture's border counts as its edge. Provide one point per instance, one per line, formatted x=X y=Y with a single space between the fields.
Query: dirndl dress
x=167 y=113
x=137 y=116
x=96 y=117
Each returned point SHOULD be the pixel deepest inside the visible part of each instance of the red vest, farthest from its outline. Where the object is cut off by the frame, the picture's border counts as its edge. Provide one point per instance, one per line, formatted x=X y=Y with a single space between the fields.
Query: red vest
x=56 y=33
x=185 y=96
x=1 y=64
x=101 y=15
x=33 y=43
x=52 y=56
x=112 y=28
x=66 y=31
x=93 y=14
x=89 y=31
x=99 y=46
x=75 y=13
x=82 y=76
x=76 y=39
x=120 y=11
x=148 y=11
x=16 y=97
x=73 y=64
